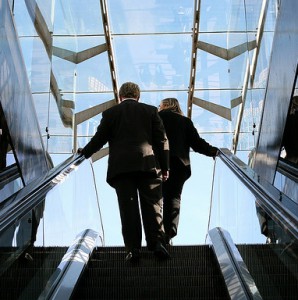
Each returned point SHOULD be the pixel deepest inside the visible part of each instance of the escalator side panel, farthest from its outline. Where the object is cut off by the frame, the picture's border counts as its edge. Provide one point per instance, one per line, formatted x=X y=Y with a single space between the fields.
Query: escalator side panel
x=66 y=210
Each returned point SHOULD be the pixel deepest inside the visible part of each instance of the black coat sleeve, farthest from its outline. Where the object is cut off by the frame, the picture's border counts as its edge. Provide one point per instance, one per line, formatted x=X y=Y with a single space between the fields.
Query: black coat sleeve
x=99 y=139
x=197 y=143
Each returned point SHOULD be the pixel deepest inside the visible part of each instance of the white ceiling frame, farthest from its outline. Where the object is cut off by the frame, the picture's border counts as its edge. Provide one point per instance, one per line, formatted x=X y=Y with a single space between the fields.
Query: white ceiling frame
x=219 y=110
x=261 y=24
x=195 y=33
x=108 y=37
x=250 y=73
x=223 y=53
x=227 y=54
x=78 y=57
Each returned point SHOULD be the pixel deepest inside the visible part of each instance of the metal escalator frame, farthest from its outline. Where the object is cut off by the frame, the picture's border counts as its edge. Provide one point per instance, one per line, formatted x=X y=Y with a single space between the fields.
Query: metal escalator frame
x=267 y=196
x=9 y=174
x=33 y=194
x=64 y=280
x=239 y=282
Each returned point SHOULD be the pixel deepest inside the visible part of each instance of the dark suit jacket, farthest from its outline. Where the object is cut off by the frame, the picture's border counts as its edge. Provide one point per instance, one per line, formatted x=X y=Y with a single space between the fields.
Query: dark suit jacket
x=182 y=136
x=136 y=137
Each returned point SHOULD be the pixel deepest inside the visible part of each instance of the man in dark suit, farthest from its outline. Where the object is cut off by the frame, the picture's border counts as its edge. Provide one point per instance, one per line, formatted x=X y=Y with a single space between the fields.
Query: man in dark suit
x=182 y=136
x=138 y=162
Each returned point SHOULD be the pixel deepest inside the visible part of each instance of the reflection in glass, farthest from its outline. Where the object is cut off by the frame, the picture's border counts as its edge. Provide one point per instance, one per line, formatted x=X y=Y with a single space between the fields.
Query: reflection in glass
x=73 y=18
x=214 y=16
x=4 y=140
x=218 y=128
x=219 y=97
x=161 y=62
x=290 y=140
x=24 y=24
x=60 y=144
x=17 y=235
x=37 y=64
x=234 y=208
x=10 y=181
x=93 y=75
x=86 y=100
x=70 y=208
x=151 y=17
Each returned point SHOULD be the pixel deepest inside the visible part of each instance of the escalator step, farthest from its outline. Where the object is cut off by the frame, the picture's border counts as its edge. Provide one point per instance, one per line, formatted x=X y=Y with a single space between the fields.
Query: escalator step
x=27 y=279
x=274 y=271
x=192 y=273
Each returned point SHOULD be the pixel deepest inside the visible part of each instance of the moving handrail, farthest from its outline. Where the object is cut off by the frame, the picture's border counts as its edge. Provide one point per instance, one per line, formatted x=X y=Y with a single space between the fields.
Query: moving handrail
x=288 y=169
x=64 y=280
x=19 y=204
x=239 y=282
x=277 y=205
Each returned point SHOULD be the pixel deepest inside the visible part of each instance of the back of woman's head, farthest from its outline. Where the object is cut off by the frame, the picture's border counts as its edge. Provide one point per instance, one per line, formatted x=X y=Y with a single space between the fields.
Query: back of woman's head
x=172 y=104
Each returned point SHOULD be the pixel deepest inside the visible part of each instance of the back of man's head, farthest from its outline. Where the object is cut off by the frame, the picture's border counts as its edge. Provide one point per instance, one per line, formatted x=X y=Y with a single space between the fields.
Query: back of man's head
x=129 y=90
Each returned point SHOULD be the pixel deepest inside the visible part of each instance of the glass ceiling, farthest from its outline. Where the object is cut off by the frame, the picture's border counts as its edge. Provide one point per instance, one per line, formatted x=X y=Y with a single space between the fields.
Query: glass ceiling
x=211 y=55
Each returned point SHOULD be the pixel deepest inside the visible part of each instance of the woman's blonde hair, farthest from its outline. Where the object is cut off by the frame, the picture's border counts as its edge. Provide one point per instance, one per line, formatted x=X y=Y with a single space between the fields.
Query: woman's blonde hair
x=172 y=104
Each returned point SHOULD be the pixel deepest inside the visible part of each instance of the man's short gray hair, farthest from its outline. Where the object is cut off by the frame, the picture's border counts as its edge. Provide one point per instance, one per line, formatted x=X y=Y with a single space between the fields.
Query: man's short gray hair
x=129 y=90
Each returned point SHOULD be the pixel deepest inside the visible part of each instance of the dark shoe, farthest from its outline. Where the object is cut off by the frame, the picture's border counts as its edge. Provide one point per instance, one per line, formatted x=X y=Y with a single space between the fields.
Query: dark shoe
x=25 y=258
x=161 y=252
x=168 y=241
x=133 y=255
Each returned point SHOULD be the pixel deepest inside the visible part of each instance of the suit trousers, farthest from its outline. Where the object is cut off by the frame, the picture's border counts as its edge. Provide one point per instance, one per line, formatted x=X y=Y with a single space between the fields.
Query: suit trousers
x=172 y=190
x=140 y=195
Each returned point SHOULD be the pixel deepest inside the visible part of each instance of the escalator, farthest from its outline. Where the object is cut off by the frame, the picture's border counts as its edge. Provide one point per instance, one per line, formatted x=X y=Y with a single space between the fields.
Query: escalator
x=192 y=273
x=49 y=213
x=273 y=268
x=26 y=278
x=263 y=223
x=70 y=260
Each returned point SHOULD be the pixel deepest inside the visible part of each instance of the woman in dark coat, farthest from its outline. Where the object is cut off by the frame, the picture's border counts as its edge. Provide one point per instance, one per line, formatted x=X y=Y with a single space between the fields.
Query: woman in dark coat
x=182 y=136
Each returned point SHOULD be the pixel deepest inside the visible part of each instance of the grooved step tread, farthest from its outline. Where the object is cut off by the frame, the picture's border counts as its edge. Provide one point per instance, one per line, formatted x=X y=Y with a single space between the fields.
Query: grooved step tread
x=273 y=268
x=192 y=273
x=26 y=279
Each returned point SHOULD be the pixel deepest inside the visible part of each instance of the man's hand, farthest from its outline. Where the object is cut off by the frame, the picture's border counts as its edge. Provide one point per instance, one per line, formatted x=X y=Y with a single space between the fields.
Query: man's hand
x=165 y=175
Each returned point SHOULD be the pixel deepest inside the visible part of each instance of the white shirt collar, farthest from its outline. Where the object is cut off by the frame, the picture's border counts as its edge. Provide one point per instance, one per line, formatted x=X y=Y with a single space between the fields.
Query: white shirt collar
x=128 y=99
